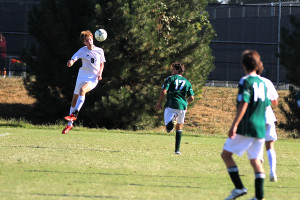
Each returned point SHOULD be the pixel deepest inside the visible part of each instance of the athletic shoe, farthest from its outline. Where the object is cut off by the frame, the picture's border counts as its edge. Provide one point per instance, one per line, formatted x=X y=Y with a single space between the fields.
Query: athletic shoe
x=72 y=117
x=67 y=129
x=273 y=178
x=235 y=193
x=171 y=124
x=254 y=198
x=177 y=152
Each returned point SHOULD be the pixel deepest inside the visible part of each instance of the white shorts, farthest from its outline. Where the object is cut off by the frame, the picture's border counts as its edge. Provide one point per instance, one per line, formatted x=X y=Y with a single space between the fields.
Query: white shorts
x=239 y=144
x=82 y=81
x=170 y=113
x=271 y=132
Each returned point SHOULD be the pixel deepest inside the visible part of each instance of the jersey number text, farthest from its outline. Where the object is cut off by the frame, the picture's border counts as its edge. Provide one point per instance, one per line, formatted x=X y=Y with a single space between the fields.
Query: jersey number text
x=180 y=84
x=259 y=91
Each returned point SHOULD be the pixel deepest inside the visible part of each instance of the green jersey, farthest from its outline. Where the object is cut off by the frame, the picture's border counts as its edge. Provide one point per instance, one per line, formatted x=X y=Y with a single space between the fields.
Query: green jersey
x=253 y=91
x=177 y=88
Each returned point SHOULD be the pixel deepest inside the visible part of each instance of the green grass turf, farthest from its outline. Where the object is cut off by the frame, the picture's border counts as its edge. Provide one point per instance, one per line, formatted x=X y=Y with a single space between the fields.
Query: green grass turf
x=41 y=163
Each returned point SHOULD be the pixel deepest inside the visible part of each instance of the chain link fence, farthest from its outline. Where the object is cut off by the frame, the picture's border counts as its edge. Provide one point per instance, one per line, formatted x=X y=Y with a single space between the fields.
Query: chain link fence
x=249 y=24
x=14 y=28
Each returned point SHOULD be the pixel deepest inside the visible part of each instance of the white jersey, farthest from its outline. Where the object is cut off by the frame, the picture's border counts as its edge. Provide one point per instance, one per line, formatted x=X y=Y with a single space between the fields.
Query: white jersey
x=272 y=95
x=91 y=60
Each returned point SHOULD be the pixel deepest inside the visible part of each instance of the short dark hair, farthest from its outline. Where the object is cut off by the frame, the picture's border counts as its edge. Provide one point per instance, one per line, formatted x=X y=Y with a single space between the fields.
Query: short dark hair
x=85 y=34
x=251 y=60
x=178 y=66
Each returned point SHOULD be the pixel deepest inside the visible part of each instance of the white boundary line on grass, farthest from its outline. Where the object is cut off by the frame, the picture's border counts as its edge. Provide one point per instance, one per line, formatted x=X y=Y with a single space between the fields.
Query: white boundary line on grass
x=4 y=134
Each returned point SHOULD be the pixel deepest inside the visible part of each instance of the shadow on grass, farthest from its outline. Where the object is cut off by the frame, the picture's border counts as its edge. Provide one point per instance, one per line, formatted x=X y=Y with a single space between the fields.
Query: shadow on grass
x=112 y=174
x=67 y=195
x=75 y=195
x=72 y=149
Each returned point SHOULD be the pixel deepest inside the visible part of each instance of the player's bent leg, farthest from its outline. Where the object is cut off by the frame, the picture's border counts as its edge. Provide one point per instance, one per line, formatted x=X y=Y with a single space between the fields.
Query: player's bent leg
x=233 y=172
x=227 y=158
x=74 y=100
x=88 y=86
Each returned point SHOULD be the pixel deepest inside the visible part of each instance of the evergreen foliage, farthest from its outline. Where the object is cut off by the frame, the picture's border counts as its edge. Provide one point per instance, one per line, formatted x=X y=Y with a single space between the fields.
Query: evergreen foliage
x=290 y=59
x=144 y=38
x=292 y=114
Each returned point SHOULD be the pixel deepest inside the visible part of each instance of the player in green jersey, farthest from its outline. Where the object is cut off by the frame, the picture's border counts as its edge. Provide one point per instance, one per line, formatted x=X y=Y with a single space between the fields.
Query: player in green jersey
x=177 y=88
x=247 y=132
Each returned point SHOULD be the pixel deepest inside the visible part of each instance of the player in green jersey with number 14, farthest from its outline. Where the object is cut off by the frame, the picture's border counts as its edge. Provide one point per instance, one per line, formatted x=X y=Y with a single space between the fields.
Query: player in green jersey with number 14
x=247 y=132
x=177 y=88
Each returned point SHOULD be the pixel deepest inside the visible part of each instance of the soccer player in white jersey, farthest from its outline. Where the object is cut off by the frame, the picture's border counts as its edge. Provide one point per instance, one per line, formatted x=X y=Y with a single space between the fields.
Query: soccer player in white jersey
x=271 y=135
x=247 y=132
x=88 y=76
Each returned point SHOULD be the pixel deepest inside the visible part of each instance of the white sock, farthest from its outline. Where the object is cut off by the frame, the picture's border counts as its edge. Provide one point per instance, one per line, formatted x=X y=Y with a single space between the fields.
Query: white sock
x=70 y=123
x=80 y=102
x=71 y=110
x=272 y=161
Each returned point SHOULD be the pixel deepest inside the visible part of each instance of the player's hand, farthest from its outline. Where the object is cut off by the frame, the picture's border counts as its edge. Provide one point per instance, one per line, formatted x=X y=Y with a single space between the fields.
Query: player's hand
x=70 y=63
x=232 y=132
x=158 y=106
x=99 y=78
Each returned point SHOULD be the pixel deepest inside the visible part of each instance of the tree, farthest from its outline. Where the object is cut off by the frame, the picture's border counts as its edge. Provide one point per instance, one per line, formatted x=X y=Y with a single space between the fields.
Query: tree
x=290 y=59
x=144 y=38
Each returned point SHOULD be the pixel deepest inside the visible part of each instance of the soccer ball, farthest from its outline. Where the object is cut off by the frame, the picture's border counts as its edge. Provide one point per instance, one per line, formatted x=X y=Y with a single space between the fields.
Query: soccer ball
x=100 y=35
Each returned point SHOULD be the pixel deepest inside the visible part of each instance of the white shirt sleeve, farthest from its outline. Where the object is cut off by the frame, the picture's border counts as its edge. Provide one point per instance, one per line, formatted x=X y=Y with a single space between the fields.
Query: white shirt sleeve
x=77 y=55
x=271 y=93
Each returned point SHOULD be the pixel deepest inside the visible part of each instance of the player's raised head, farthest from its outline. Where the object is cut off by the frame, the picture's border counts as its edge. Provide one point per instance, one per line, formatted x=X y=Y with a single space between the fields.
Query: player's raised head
x=85 y=34
x=251 y=60
x=179 y=67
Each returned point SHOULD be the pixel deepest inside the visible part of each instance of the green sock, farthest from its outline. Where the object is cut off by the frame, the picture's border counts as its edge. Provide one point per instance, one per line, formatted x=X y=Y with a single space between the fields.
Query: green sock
x=235 y=177
x=259 y=185
x=178 y=140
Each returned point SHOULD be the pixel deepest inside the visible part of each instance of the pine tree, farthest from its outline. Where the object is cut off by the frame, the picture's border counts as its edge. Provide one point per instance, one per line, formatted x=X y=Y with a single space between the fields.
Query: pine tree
x=290 y=59
x=144 y=38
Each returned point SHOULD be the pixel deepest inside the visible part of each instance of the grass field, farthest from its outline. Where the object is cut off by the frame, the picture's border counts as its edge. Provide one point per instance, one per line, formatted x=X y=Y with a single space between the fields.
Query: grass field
x=41 y=163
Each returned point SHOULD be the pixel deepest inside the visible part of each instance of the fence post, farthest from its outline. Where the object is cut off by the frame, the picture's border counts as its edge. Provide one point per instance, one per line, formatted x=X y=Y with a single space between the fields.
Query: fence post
x=278 y=40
